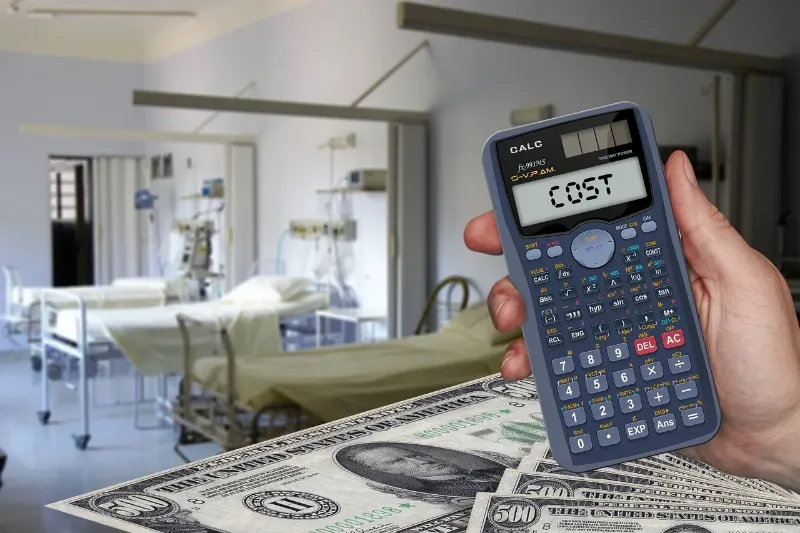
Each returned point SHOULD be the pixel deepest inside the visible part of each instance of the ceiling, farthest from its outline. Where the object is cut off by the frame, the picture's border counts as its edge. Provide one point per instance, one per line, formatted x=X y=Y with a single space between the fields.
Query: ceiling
x=137 y=39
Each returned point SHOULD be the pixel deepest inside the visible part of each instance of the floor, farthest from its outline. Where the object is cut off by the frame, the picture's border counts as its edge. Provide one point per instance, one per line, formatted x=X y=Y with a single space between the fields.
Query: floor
x=43 y=464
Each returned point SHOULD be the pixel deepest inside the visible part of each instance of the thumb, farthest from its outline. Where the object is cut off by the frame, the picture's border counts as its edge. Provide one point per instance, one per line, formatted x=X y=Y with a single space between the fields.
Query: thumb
x=710 y=244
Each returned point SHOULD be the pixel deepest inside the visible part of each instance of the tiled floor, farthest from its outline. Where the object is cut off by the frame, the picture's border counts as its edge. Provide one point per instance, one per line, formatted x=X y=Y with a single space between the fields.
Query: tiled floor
x=43 y=464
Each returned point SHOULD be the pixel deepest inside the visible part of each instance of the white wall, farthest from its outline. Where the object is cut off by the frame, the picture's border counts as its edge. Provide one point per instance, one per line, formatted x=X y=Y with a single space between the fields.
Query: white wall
x=330 y=51
x=44 y=90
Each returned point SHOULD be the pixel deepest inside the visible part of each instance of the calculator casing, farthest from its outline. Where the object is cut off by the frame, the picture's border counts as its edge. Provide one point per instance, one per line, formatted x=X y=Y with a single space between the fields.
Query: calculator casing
x=534 y=332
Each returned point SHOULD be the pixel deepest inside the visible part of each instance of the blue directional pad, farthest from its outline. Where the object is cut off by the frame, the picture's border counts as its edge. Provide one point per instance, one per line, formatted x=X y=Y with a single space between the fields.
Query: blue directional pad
x=593 y=248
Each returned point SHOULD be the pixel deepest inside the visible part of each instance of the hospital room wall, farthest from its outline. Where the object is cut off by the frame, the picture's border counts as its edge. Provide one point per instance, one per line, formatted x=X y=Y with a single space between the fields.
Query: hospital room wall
x=48 y=90
x=329 y=52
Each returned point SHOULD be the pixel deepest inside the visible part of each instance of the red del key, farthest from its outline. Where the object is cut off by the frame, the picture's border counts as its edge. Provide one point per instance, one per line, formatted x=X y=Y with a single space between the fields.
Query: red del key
x=645 y=346
x=671 y=339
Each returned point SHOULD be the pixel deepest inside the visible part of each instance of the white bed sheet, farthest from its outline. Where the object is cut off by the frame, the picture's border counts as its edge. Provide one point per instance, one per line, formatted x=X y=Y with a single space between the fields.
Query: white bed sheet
x=152 y=342
x=95 y=297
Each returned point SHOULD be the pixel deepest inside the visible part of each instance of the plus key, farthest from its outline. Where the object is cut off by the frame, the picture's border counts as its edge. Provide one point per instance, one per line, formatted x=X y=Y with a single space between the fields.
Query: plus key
x=645 y=346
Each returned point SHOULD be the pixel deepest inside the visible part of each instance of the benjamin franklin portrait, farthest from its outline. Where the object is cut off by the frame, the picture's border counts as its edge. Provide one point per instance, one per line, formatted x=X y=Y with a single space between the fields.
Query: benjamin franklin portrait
x=420 y=468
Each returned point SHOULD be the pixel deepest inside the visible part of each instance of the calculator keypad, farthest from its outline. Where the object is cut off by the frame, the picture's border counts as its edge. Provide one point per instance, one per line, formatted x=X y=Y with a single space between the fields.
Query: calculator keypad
x=613 y=337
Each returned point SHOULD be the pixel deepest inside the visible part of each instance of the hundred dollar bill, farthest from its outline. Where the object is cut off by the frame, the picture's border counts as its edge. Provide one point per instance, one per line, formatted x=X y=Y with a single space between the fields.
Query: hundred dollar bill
x=610 y=492
x=497 y=513
x=383 y=471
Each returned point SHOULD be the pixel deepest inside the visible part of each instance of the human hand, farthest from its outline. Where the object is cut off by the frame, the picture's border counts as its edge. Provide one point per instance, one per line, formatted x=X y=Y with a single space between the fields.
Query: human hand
x=749 y=325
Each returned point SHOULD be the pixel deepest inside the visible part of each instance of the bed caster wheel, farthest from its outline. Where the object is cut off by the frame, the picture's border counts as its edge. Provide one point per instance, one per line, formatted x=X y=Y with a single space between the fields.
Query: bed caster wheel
x=54 y=371
x=36 y=363
x=81 y=441
x=43 y=416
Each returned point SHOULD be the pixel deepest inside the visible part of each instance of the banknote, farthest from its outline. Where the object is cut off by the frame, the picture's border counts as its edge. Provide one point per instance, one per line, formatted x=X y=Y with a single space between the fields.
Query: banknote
x=633 y=473
x=391 y=469
x=514 y=513
x=697 y=468
x=563 y=484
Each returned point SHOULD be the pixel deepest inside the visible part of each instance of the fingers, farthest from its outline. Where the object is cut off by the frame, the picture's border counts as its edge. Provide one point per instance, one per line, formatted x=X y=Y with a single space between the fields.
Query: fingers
x=711 y=245
x=516 y=364
x=506 y=306
x=481 y=235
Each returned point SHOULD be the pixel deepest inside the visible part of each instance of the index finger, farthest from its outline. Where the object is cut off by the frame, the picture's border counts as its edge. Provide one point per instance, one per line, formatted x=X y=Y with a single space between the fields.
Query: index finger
x=481 y=235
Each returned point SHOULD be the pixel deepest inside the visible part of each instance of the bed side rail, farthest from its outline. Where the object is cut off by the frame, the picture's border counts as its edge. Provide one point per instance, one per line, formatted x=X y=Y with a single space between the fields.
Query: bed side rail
x=49 y=309
x=186 y=324
x=13 y=290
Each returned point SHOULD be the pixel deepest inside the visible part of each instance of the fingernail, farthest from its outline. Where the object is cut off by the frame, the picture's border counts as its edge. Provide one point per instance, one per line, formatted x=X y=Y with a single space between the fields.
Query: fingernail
x=497 y=302
x=507 y=357
x=687 y=165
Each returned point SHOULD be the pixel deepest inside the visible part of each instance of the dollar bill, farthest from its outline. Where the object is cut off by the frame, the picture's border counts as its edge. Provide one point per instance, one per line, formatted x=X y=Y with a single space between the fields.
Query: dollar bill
x=552 y=485
x=515 y=513
x=393 y=469
x=633 y=473
x=694 y=467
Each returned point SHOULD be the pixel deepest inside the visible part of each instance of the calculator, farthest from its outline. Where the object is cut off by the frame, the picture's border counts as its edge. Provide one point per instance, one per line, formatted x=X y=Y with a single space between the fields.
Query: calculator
x=612 y=332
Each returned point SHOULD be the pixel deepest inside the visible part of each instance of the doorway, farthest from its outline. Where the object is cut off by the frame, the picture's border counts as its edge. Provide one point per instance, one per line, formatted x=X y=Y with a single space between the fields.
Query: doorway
x=71 y=221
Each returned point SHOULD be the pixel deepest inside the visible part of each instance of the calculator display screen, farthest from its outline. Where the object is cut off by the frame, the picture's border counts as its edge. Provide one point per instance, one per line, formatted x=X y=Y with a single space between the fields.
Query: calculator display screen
x=579 y=191
x=593 y=168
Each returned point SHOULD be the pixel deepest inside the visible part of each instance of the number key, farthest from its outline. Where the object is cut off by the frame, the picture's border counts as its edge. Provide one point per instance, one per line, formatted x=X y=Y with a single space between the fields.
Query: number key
x=596 y=384
x=618 y=352
x=602 y=410
x=568 y=391
x=575 y=417
x=564 y=365
x=590 y=358
x=580 y=444
x=624 y=378
x=630 y=404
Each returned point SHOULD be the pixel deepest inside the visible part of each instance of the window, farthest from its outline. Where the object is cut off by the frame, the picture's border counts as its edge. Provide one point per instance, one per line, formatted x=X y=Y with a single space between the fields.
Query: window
x=63 y=193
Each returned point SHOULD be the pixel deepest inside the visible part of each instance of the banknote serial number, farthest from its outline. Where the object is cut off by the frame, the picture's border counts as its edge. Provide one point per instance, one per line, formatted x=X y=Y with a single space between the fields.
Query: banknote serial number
x=456 y=425
x=354 y=523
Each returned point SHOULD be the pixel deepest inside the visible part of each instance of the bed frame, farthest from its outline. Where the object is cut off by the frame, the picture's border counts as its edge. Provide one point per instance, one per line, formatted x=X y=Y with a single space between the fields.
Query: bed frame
x=86 y=356
x=204 y=415
x=19 y=320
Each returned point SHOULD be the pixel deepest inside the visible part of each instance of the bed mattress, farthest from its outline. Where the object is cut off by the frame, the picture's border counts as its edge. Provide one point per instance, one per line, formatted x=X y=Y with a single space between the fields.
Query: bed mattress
x=94 y=297
x=151 y=340
x=333 y=383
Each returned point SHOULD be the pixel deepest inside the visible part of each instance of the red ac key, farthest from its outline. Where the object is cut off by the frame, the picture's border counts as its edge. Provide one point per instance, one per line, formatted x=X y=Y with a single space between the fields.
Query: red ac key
x=671 y=339
x=645 y=346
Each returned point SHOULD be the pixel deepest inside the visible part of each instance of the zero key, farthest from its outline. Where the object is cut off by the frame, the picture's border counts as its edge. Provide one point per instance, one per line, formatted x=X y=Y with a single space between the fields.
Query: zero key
x=645 y=346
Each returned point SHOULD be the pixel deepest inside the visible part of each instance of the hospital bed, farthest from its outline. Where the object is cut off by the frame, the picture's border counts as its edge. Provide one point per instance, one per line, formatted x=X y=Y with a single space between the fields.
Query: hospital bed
x=23 y=305
x=246 y=397
x=150 y=338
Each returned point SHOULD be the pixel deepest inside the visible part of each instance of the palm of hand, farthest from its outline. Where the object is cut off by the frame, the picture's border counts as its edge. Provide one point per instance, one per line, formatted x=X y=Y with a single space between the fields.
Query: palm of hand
x=756 y=381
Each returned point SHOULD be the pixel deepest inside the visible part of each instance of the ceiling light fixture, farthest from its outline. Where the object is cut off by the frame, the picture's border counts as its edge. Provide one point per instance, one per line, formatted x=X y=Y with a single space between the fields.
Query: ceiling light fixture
x=109 y=12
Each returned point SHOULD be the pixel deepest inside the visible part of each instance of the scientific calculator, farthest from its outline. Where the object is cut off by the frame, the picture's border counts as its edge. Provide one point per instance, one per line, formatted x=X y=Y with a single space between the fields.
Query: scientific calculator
x=612 y=331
